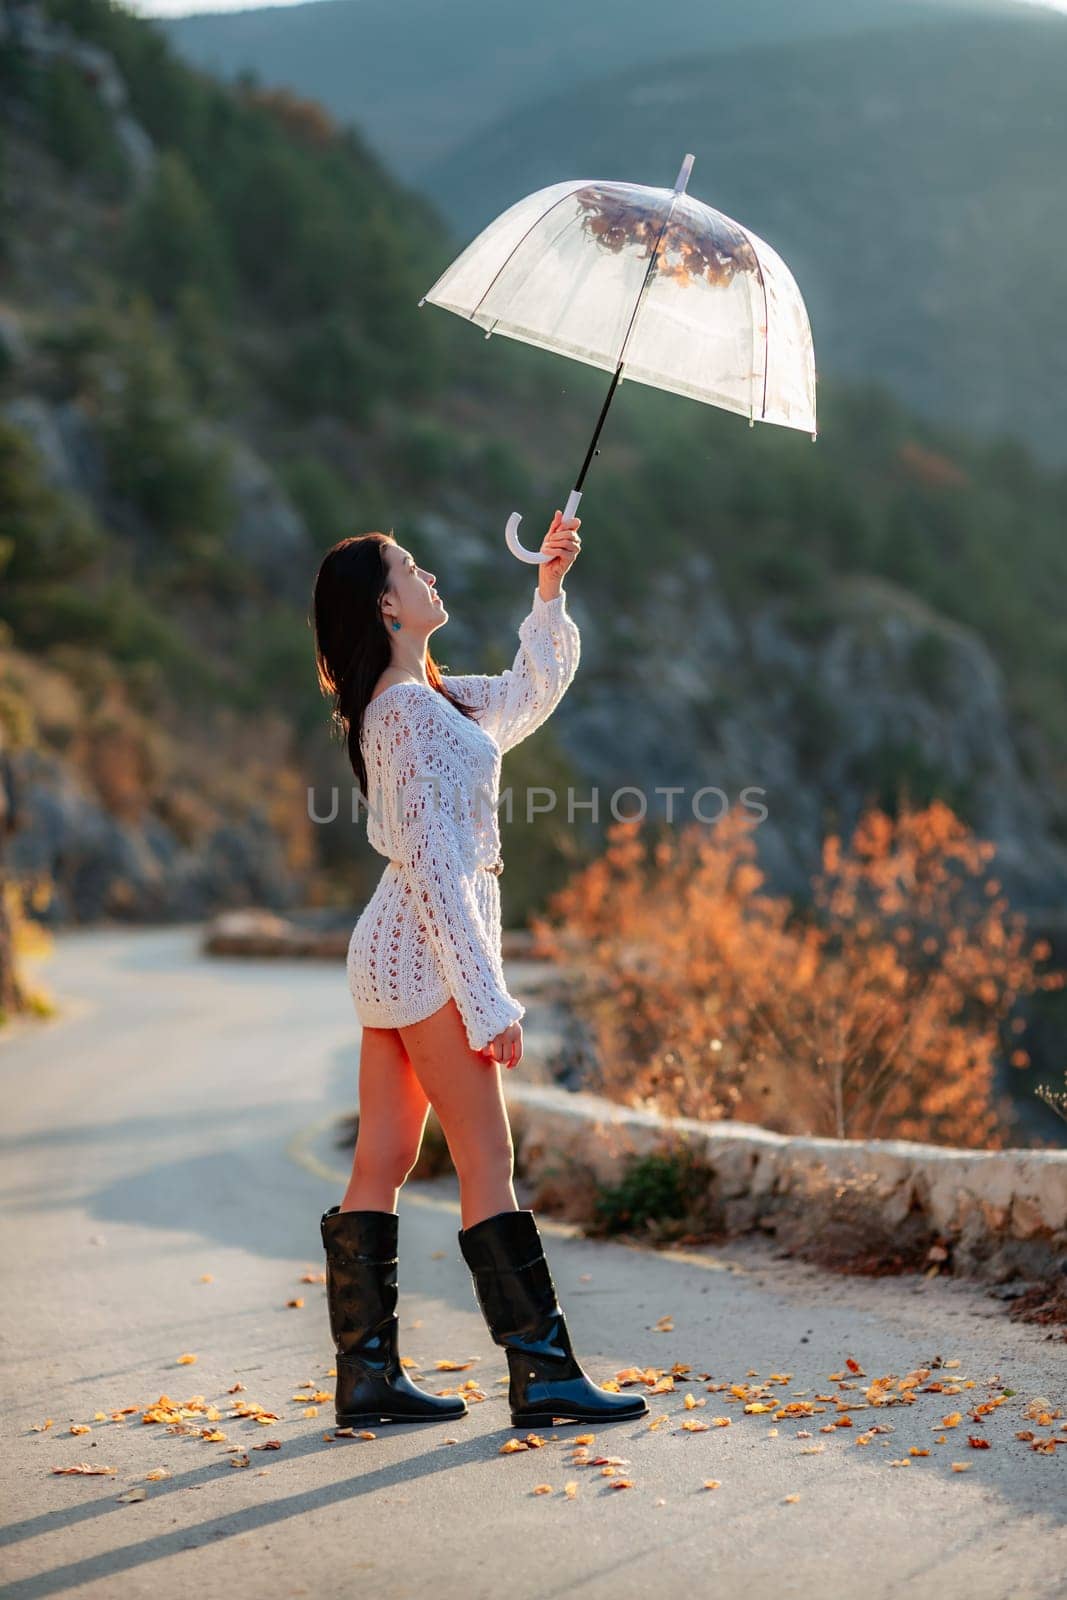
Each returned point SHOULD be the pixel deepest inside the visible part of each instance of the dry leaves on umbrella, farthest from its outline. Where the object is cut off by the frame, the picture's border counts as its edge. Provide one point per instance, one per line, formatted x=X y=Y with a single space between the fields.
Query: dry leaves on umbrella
x=690 y=250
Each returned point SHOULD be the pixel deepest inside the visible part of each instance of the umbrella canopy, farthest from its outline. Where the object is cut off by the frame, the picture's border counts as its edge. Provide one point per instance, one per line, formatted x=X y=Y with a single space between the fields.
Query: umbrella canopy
x=650 y=284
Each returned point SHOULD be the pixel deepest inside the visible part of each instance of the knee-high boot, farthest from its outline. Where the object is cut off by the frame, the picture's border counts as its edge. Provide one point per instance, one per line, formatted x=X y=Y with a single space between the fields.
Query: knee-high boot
x=362 y=1293
x=514 y=1288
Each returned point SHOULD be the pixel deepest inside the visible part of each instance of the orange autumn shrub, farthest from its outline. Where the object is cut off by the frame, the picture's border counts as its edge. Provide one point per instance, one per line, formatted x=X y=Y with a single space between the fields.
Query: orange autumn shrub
x=874 y=1012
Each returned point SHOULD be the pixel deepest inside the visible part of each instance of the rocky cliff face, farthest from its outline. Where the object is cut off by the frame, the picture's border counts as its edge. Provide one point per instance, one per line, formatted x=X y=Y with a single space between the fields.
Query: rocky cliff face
x=100 y=867
x=816 y=706
x=110 y=836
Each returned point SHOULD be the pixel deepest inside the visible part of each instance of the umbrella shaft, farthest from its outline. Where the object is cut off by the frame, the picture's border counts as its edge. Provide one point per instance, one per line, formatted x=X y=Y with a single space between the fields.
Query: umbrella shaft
x=591 y=452
x=679 y=187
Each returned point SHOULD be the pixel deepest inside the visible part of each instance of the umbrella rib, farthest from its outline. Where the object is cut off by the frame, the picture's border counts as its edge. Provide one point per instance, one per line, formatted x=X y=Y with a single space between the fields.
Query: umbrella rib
x=536 y=223
x=766 y=317
x=647 y=279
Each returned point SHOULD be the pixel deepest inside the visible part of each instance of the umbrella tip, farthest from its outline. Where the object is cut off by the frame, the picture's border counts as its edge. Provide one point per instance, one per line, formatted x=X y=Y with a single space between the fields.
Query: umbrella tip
x=422 y=302
x=683 y=175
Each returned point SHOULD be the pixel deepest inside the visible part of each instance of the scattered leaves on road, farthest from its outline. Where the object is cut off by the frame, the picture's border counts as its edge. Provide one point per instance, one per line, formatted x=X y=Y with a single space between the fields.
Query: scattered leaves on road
x=853 y=1392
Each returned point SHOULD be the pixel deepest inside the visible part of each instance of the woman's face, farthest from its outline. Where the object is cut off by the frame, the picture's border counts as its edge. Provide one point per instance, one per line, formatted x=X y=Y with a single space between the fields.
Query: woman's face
x=415 y=600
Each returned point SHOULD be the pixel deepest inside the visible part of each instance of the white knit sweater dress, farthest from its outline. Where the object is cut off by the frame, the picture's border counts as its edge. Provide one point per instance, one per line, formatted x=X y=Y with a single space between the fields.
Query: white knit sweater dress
x=431 y=929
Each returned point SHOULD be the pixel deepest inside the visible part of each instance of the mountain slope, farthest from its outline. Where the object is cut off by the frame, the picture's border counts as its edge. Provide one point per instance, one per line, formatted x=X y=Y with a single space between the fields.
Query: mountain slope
x=202 y=386
x=914 y=186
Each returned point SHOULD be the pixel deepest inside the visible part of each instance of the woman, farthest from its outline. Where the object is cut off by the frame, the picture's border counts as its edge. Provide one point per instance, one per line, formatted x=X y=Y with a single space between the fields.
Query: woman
x=425 y=972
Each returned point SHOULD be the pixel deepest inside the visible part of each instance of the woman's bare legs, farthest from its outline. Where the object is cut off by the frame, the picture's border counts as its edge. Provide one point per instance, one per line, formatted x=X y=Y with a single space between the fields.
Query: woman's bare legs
x=464 y=1089
x=392 y=1116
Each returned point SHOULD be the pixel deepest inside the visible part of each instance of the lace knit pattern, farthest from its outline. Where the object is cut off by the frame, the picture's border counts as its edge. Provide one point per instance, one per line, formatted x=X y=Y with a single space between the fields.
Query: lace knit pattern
x=432 y=927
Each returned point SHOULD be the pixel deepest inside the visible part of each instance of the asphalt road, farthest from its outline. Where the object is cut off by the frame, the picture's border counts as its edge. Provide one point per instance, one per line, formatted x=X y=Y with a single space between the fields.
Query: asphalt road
x=175 y=1122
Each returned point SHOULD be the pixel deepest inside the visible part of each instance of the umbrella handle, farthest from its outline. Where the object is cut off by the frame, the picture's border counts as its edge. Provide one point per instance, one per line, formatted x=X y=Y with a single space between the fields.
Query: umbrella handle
x=511 y=533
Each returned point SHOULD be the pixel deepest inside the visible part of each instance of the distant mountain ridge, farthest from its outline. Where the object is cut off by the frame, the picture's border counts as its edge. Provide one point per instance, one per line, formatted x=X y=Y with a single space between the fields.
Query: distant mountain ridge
x=420 y=78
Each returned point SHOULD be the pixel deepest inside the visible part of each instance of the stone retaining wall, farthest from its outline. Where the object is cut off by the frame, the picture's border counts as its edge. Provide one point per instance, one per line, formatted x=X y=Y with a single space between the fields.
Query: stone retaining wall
x=993 y=1215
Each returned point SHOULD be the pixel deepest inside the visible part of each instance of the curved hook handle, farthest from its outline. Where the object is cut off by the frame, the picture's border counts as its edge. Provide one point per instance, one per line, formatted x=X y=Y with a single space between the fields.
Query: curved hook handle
x=511 y=532
x=511 y=536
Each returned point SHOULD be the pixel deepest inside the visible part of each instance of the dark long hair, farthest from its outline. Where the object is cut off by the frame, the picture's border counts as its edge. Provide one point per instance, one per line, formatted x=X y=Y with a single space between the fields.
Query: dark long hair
x=352 y=640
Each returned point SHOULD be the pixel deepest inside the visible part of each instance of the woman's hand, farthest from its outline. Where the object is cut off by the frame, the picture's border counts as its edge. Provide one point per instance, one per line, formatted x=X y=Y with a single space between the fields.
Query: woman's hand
x=506 y=1047
x=563 y=542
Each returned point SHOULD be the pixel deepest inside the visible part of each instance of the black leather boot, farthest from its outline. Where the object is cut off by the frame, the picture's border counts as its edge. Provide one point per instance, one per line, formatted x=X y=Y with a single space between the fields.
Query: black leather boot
x=361 y=1292
x=517 y=1297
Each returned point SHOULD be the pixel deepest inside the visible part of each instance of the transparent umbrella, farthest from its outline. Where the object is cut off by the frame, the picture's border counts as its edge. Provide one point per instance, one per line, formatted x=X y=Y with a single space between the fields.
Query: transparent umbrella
x=650 y=284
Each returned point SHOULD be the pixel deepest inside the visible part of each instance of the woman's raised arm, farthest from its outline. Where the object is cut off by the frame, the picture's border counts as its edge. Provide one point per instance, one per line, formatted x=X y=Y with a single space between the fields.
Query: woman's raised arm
x=511 y=704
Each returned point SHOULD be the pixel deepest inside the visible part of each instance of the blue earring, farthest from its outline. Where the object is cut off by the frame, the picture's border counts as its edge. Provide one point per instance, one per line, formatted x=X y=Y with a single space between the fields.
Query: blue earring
x=395 y=624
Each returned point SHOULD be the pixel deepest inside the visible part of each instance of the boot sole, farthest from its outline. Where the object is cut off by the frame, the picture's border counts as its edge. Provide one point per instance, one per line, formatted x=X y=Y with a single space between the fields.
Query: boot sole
x=370 y=1419
x=549 y=1419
